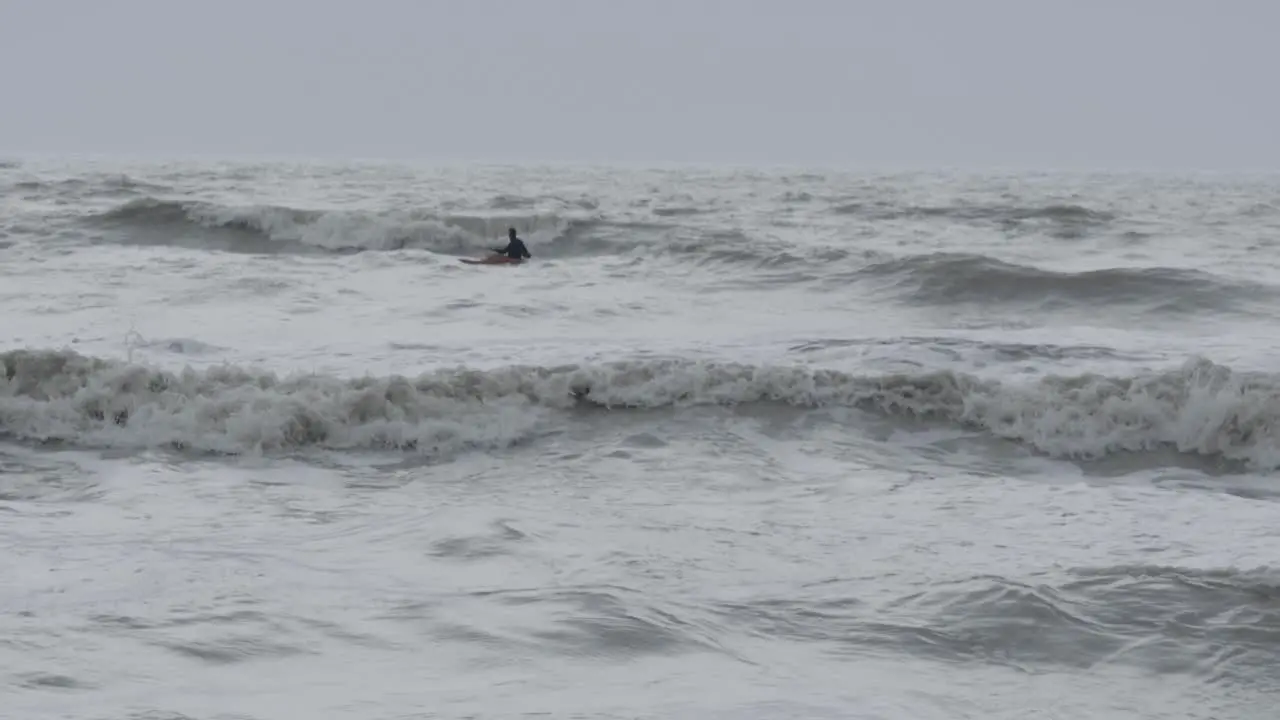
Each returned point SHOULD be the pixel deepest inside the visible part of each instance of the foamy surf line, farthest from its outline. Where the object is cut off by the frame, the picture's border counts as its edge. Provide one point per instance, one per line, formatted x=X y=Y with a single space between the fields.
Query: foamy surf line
x=64 y=397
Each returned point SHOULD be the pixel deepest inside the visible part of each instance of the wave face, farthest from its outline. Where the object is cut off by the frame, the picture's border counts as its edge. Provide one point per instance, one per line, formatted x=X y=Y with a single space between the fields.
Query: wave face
x=1201 y=408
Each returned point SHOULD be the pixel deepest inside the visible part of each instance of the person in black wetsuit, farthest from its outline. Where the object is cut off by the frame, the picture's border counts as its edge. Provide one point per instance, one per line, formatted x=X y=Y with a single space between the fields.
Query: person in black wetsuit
x=515 y=248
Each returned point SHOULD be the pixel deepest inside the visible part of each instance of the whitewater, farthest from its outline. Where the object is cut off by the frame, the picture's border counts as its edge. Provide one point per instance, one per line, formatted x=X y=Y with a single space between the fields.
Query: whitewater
x=735 y=443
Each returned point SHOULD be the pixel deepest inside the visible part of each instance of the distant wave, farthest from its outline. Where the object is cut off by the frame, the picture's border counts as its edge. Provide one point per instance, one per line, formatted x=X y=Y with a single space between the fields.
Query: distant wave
x=513 y=202
x=943 y=278
x=62 y=396
x=88 y=186
x=954 y=346
x=1062 y=220
x=677 y=211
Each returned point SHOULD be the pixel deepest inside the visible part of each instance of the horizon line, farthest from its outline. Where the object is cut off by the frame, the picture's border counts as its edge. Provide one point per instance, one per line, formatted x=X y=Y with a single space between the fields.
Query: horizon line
x=455 y=162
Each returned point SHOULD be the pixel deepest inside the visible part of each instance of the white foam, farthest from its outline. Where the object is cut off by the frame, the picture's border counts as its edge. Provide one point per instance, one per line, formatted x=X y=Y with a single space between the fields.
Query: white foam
x=1198 y=408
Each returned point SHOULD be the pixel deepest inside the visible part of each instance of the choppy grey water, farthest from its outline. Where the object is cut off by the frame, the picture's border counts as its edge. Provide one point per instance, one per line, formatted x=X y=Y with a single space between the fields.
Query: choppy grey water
x=735 y=444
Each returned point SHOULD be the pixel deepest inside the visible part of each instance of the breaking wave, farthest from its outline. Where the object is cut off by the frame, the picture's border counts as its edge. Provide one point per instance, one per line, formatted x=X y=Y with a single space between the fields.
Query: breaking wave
x=273 y=228
x=61 y=396
x=280 y=229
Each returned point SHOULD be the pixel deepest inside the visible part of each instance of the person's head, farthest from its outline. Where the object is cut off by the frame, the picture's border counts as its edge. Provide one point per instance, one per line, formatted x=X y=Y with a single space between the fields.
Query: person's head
x=511 y=233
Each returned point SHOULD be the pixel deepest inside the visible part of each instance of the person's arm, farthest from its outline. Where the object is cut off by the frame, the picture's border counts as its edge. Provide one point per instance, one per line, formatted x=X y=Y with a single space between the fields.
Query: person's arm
x=502 y=251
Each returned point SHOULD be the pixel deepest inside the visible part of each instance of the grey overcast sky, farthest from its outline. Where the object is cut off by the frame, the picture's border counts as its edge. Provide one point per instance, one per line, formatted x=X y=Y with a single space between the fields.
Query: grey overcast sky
x=881 y=83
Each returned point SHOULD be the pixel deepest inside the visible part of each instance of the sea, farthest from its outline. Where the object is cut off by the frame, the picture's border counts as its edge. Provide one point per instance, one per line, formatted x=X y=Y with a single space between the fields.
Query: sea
x=736 y=443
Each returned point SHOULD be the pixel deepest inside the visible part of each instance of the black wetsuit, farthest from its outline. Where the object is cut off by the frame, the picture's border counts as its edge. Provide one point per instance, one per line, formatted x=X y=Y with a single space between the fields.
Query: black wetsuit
x=515 y=250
